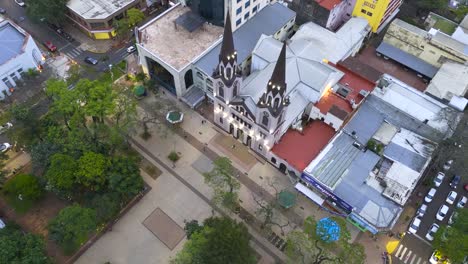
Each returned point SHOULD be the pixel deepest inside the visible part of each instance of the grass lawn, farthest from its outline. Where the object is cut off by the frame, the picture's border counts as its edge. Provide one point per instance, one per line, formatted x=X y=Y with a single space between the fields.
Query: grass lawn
x=117 y=71
x=444 y=25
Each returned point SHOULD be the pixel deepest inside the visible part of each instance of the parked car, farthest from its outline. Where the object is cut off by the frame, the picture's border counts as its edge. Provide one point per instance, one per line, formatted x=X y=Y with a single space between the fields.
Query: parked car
x=4 y=147
x=447 y=165
x=51 y=47
x=455 y=181
x=422 y=210
x=131 y=49
x=443 y=210
x=453 y=217
x=438 y=258
x=462 y=202
x=451 y=197
x=430 y=195
x=91 y=60
x=20 y=3
x=2 y=11
x=2 y=224
x=414 y=226
x=5 y=127
x=430 y=234
x=439 y=179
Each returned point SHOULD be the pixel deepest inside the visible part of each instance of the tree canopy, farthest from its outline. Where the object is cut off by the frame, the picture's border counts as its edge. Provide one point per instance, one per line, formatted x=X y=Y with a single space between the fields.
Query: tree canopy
x=72 y=226
x=92 y=170
x=53 y=11
x=20 y=247
x=23 y=186
x=225 y=185
x=220 y=240
x=457 y=234
x=61 y=174
x=124 y=177
x=308 y=247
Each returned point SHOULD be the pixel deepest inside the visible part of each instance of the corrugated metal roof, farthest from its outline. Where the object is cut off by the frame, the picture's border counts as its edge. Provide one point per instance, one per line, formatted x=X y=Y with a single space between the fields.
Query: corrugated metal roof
x=11 y=42
x=407 y=59
x=267 y=21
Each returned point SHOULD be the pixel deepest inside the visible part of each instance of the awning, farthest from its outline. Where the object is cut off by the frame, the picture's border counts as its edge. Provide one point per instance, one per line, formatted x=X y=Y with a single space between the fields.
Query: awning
x=193 y=96
x=407 y=59
x=310 y=194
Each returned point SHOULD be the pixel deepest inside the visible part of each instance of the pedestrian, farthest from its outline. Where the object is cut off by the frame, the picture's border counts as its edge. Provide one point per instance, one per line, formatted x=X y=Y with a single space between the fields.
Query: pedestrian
x=233 y=146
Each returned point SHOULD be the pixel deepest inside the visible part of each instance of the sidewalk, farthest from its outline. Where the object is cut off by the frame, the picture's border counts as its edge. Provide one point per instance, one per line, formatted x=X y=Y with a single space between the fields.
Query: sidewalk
x=87 y=43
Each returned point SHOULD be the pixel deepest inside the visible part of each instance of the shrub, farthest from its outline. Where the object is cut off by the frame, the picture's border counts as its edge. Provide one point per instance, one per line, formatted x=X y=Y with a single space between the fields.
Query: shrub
x=173 y=156
x=25 y=186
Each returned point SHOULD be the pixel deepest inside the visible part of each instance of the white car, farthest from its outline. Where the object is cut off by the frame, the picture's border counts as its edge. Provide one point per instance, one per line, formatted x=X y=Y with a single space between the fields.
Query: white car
x=443 y=210
x=451 y=197
x=462 y=202
x=2 y=224
x=414 y=226
x=131 y=49
x=20 y=3
x=5 y=127
x=4 y=147
x=422 y=210
x=447 y=165
x=439 y=179
x=430 y=195
x=430 y=234
x=452 y=218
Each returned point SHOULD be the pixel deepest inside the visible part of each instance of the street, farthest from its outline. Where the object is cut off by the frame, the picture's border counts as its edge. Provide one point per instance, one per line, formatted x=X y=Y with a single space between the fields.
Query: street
x=412 y=250
x=41 y=32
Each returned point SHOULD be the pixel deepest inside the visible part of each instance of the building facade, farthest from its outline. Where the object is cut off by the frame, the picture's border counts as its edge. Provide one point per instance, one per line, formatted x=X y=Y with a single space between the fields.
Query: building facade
x=330 y=14
x=96 y=17
x=378 y=13
x=19 y=54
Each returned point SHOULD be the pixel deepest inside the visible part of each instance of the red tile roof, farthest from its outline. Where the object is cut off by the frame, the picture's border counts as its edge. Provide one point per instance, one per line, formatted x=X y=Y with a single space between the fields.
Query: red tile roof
x=299 y=149
x=329 y=99
x=328 y=4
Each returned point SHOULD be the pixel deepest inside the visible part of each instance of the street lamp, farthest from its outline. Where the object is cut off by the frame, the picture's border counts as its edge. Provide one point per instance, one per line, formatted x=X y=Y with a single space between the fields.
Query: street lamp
x=112 y=74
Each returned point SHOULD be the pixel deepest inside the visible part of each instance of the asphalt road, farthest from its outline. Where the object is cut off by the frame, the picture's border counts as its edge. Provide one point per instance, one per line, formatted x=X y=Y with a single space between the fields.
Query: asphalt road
x=41 y=32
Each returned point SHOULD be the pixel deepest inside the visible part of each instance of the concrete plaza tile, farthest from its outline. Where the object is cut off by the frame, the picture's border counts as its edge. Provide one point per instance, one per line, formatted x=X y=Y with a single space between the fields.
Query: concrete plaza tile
x=131 y=242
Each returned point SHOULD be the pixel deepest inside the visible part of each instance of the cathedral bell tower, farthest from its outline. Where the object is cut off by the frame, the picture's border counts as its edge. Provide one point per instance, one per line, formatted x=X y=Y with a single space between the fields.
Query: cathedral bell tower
x=227 y=76
x=227 y=79
x=272 y=106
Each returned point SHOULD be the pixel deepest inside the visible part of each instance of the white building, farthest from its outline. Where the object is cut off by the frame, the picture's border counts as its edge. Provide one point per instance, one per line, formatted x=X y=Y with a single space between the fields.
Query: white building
x=242 y=10
x=461 y=33
x=279 y=92
x=19 y=53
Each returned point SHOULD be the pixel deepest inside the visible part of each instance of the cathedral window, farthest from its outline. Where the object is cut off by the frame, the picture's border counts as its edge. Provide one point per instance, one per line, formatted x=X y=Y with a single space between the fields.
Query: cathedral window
x=276 y=104
x=265 y=119
x=221 y=90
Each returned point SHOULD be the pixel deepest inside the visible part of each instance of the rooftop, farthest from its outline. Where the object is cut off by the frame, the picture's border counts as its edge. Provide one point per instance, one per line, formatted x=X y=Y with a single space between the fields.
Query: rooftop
x=299 y=149
x=450 y=80
x=175 y=45
x=330 y=100
x=328 y=4
x=355 y=83
x=267 y=21
x=97 y=9
x=318 y=43
x=407 y=59
x=366 y=72
x=12 y=41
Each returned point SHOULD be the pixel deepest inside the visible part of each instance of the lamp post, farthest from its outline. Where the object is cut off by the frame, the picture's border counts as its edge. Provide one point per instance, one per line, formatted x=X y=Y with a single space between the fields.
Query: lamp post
x=112 y=74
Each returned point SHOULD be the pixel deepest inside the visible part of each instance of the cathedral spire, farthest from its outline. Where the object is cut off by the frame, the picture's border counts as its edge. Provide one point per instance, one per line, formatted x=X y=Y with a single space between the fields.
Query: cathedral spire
x=227 y=53
x=274 y=98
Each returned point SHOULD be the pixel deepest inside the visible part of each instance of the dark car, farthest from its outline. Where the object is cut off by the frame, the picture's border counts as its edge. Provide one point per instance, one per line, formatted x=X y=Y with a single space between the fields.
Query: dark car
x=455 y=181
x=2 y=10
x=91 y=60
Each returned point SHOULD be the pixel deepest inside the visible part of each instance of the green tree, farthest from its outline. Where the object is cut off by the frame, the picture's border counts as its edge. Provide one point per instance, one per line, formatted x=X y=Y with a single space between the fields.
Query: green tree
x=41 y=153
x=225 y=186
x=309 y=247
x=432 y=4
x=72 y=226
x=106 y=205
x=20 y=247
x=124 y=177
x=92 y=170
x=192 y=227
x=457 y=234
x=53 y=11
x=221 y=240
x=122 y=27
x=134 y=16
x=61 y=174
x=26 y=129
x=23 y=187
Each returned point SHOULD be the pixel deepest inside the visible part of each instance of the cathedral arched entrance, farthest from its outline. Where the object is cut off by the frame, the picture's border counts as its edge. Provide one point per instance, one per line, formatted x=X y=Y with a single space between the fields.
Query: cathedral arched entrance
x=249 y=141
x=231 y=129
x=282 y=168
